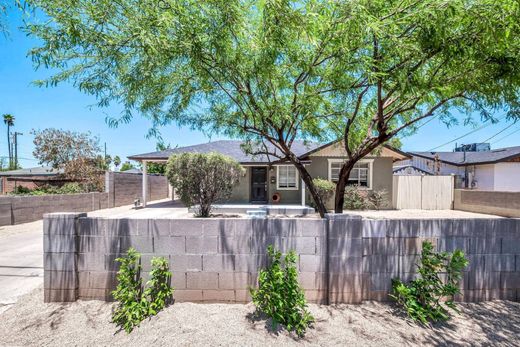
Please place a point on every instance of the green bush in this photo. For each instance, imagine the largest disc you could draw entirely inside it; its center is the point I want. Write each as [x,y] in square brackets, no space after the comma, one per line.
[21,190]
[279,295]
[428,297]
[202,179]
[67,188]
[134,304]
[324,188]
[71,188]
[359,199]
[355,199]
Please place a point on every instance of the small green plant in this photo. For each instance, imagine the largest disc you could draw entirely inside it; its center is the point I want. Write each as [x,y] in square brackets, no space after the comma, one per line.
[325,190]
[279,295]
[131,309]
[134,302]
[428,297]
[158,292]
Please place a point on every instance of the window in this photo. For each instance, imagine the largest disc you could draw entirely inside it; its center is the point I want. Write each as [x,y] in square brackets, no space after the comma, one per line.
[361,174]
[287,177]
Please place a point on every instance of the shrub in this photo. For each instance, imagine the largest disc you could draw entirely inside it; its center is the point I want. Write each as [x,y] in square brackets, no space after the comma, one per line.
[203,179]
[135,304]
[131,308]
[378,199]
[439,277]
[71,188]
[21,190]
[279,295]
[67,188]
[159,292]
[324,188]
[355,199]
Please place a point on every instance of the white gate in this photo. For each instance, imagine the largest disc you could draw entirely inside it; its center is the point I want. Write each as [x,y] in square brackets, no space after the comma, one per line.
[423,192]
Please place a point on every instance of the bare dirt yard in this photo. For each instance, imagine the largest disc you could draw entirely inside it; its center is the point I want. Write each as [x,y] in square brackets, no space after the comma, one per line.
[87,323]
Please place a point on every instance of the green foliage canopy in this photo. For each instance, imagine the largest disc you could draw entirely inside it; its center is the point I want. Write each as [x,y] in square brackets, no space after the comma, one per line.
[365,71]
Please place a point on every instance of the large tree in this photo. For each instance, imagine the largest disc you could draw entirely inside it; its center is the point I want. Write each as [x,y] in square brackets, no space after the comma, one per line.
[273,71]
[75,153]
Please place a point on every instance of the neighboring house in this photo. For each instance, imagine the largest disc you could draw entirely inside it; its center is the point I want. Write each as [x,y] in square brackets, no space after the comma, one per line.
[29,178]
[409,170]
[497,169]
[265,175]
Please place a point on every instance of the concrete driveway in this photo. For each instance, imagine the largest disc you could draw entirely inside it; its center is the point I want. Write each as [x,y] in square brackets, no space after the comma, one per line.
[21,261]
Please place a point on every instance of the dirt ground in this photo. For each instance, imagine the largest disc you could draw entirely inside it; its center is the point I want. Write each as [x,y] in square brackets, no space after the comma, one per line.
[87,323]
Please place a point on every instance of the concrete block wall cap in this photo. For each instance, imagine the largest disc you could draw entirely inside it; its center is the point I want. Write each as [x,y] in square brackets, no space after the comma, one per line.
[342,216]
[64,215]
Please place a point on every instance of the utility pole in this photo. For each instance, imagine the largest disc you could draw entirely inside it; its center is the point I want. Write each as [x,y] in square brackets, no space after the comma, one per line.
[16,149]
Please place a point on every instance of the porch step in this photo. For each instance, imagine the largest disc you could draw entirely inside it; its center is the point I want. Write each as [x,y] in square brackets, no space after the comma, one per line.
[256,213]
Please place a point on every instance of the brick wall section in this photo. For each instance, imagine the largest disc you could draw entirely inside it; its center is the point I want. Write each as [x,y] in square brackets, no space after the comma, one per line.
[505,204]
[216,260]
[121,188]
[124,188]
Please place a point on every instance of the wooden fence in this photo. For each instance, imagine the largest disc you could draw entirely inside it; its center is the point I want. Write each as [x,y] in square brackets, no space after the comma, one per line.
[423,192]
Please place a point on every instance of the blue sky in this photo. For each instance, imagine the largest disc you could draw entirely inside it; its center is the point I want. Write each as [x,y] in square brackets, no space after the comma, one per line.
[66,108]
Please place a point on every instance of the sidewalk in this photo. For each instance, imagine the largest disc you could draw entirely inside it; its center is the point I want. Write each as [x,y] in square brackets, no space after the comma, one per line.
[21,261]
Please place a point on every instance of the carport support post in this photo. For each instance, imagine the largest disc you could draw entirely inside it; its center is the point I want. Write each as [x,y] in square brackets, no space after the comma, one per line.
[303,193]
[145,182]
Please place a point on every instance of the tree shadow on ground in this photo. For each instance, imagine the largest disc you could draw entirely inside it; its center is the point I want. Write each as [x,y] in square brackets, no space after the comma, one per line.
[499,321]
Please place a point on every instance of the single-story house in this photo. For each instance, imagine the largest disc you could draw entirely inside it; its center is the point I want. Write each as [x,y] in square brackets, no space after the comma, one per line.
[496,170]
[267,176]
[30,178]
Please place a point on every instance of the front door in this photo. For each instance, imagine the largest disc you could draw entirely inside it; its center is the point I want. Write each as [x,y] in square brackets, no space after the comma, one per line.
[259,185]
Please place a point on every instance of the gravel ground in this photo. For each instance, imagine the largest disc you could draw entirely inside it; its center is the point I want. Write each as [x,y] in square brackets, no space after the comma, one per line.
[86,323]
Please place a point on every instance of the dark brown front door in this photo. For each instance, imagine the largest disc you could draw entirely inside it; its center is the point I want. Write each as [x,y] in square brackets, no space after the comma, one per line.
[259,185]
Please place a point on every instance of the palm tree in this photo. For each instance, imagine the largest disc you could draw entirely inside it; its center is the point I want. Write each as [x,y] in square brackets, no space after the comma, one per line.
[9,121]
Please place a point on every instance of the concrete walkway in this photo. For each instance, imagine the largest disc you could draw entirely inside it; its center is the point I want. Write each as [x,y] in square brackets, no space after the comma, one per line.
[21,261]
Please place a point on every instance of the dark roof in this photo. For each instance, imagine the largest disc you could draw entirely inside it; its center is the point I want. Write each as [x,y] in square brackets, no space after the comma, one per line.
[34,171]
[473,158]
[230,148]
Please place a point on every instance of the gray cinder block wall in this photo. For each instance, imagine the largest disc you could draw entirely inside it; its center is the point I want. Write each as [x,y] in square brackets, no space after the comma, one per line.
[122,189]
[217,260]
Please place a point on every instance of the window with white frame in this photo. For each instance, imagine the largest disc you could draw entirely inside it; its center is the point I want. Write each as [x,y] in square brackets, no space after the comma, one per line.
[361,174]
[287,177]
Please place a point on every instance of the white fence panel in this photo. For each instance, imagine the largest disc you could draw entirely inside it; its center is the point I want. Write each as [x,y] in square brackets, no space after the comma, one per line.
[423,192]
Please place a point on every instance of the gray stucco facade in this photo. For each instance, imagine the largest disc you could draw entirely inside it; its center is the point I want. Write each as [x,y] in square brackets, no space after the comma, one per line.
[381,178]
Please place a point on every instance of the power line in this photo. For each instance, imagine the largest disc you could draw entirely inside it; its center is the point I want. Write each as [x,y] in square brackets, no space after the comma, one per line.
[506,136]
[460,137]
[500,132]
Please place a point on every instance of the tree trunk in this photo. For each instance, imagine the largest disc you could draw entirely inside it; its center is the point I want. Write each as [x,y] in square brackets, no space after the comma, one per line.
[9,148]
[306,177]
[344,173]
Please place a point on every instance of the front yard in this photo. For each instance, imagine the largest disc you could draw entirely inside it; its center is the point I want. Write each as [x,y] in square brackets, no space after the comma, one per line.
[87,323]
